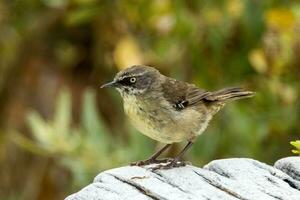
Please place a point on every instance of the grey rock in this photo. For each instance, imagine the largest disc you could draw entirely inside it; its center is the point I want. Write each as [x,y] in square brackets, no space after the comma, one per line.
[290,165]
[236,178]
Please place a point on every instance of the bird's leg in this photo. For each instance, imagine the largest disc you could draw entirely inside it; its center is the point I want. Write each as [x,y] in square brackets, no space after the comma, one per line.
[176,161]
[153,158]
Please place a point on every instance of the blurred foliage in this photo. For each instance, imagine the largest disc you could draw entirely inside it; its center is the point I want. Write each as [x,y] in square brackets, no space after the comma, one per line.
[297,145]
[84,150]
[47,46]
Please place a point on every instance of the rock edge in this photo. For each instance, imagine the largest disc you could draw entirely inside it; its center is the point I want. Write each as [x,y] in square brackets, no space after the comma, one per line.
[234,178]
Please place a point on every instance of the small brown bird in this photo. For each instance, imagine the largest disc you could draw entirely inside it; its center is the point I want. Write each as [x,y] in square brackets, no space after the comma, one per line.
[168,110]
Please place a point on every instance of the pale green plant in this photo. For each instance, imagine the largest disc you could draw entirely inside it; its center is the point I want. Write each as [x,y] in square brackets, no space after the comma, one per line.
[297,145]
[86,149]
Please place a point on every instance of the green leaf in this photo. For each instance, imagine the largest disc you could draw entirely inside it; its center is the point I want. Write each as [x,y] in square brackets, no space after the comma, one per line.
[297,145]
[91,121]
[295,151]
[39,128]
[28,144]
[62,117]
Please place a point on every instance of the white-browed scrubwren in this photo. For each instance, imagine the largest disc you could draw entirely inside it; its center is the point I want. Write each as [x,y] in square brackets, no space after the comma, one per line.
[168,110]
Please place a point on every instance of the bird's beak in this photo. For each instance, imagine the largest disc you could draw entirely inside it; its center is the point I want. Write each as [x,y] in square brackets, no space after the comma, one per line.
[110,84]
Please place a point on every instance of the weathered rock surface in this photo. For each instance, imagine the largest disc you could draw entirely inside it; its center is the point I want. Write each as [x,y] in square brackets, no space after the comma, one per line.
[290,166]
[236,178]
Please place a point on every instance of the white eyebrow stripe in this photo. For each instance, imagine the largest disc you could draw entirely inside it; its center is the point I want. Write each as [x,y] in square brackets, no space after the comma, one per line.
[140,74]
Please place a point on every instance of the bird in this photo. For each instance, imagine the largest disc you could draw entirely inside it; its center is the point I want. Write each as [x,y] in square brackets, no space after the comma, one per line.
[168,110]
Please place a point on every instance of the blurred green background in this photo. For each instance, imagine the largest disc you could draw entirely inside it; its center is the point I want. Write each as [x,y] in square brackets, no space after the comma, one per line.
[58,129]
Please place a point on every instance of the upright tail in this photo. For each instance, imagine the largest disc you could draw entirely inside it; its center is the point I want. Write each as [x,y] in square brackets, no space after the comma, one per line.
[229,94]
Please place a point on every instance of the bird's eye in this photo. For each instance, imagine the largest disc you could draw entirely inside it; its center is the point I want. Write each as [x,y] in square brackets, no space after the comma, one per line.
[132,80]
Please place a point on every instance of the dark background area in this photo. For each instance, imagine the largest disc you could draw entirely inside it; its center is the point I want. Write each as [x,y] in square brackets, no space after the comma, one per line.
[58,129]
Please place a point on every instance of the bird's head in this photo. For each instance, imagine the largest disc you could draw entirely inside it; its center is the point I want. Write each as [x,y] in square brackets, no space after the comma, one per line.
[135,80]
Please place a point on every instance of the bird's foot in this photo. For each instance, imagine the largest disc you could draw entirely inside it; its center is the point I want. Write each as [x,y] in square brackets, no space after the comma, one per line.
[150,161]
[172,164]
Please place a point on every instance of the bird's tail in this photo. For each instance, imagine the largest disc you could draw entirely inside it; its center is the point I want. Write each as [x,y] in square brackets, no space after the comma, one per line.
[229,94]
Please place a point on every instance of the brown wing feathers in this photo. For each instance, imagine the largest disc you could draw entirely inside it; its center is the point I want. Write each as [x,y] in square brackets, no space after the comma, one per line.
[182,94]
[195,95]
[229,94]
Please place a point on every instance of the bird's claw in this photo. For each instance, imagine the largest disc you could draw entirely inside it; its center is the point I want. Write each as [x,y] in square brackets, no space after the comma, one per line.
[172,164]
[150,161]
